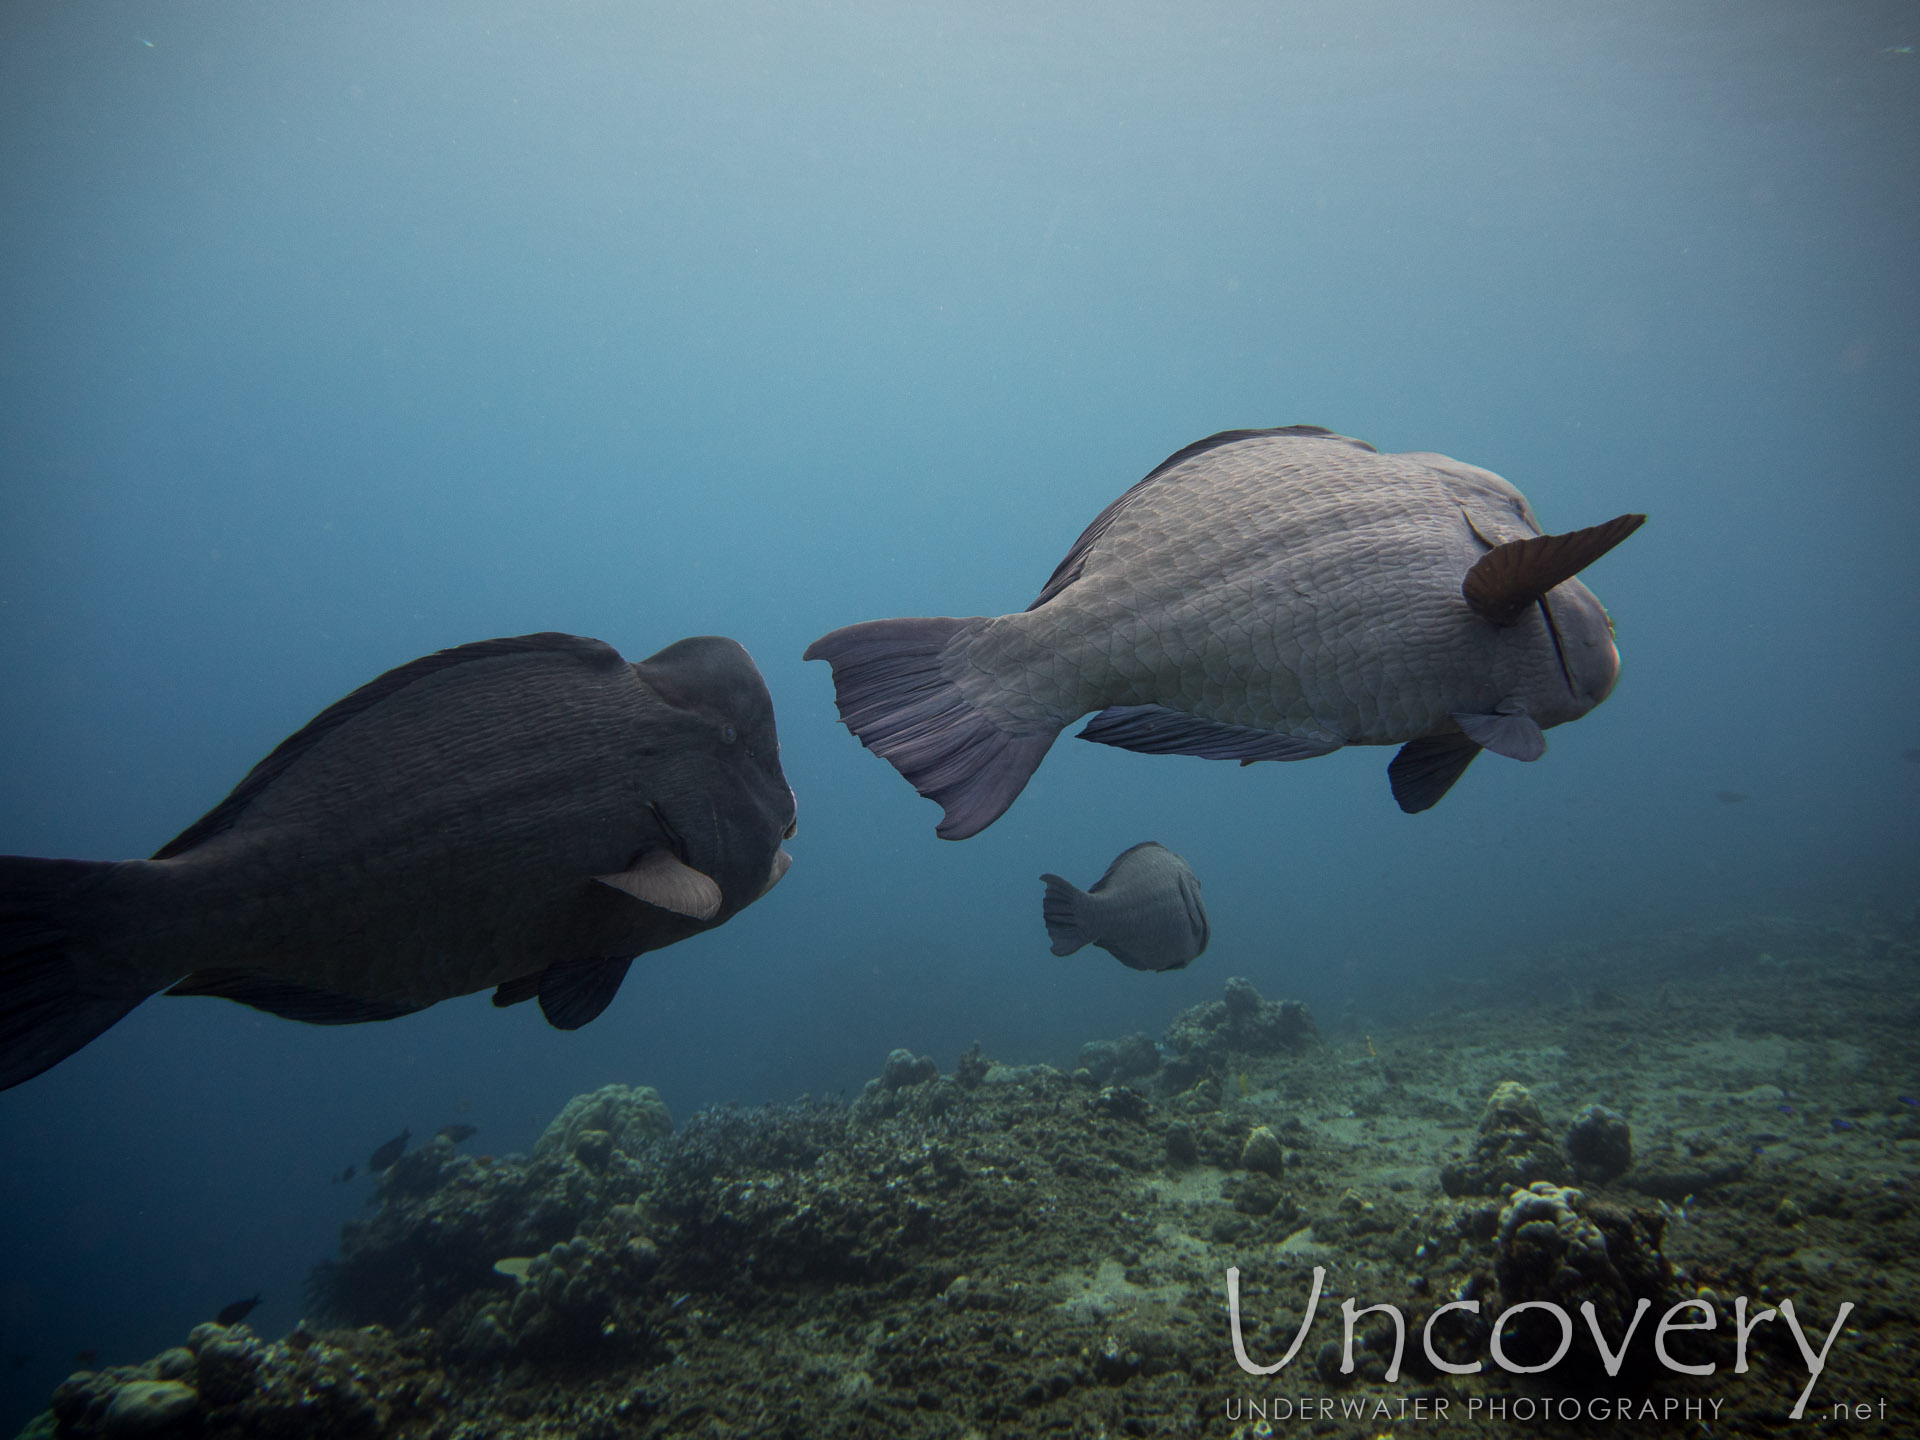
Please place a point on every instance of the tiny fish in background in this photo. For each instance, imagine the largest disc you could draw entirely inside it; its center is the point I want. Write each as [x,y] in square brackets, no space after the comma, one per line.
[86,1359]
[1261,595]
[1145,911]
[528,813]
[236,1312]
[1729,797]
[456,1134]
[345,1175]
[382,1159]
[1913,755]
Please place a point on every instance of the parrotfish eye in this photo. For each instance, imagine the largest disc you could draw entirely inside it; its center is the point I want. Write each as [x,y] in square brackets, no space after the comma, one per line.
[728,733]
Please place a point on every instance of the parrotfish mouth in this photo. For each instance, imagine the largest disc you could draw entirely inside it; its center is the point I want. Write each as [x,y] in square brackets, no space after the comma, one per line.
[781,860]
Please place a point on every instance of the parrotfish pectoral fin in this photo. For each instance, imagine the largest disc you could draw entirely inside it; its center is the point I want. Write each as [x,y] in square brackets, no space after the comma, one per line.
[660,878]
[573,992]
[890,683]
[1061,910]
[1158,730]
[1510,577]
[287,998]
[1425,769]
[1517,737]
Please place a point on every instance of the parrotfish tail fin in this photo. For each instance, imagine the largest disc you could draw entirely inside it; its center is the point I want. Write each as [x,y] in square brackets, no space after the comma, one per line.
[48,1008]
[890,683]
[1061,911]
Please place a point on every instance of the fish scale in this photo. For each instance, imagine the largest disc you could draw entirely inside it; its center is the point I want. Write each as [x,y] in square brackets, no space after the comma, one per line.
[526,814]
[1260,595]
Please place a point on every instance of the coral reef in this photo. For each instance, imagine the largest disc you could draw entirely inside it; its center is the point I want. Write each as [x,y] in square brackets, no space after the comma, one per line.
[627,1118]
[1202,1039]
[1600,1144]
[1116,1061]
[1514,1147]
[1013,1250]
[227,1382]
[1555,1244]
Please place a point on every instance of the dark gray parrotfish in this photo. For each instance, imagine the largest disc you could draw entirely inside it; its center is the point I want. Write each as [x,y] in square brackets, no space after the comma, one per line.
[1261,595]
[236,1312]
[388,1154]
[528,813]
[1145,911]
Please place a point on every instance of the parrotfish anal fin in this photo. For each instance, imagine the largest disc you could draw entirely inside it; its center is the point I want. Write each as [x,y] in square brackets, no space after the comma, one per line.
[592,654]
[289,999]
[513,992]
[1068,570]
[1517,737]
[1510,577]
[1119,951]
[574,991]
[1156,730]
[1425,769]
[659,878]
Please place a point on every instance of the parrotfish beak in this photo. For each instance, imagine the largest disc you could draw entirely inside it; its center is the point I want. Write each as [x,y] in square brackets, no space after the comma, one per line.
[781,860]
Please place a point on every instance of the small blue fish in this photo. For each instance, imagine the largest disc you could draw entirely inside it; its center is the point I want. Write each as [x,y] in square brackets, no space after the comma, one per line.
[1909,1100]
[1785,1109]
[1840,1124]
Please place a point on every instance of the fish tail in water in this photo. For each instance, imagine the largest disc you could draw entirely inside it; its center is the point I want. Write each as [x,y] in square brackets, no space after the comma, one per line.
[51,1000]
[891,685]
[1061,909]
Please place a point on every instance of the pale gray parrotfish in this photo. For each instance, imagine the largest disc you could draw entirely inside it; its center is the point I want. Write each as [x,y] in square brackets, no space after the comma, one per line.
[1261,595]
[528,814]
[1145,911]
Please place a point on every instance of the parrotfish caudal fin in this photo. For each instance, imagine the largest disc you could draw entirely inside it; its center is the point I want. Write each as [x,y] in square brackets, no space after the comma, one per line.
[47,1008]
[1061,910]
[891,686]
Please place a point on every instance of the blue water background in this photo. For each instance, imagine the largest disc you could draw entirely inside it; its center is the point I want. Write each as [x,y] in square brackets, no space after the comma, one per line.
[331,335]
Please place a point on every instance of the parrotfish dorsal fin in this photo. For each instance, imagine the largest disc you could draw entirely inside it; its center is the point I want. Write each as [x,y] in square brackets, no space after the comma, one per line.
[1068,570]
[658,878]
[1510,577]
[593,654]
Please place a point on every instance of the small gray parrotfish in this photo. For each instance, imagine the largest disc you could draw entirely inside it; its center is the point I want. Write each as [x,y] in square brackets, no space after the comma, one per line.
[527,814]
[236,1312]
[382,1160]
[1261,595]
[1145,911]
